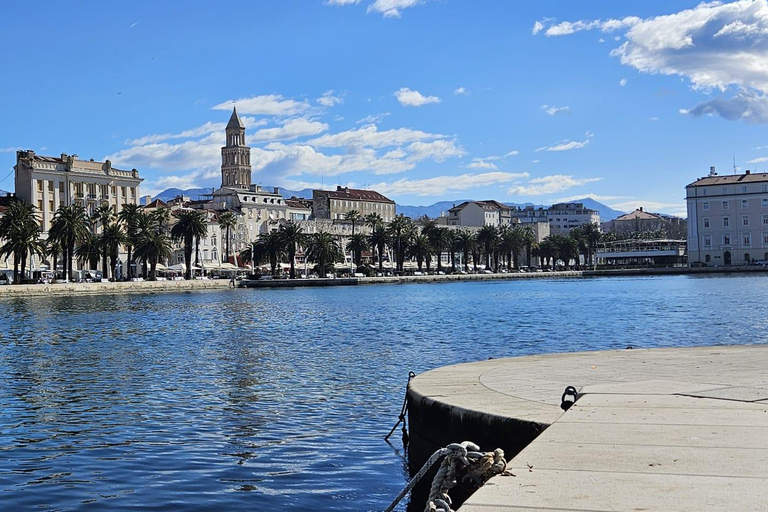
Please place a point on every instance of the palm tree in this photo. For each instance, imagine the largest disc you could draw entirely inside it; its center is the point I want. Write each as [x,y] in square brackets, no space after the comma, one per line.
[354,216]
[421,249]
[227,221]
[510,243]
[528,239]
[153,246]
[451,245]
[189,224]
[292,237]
[52,251]
[129,216]
[89,251]
[70,226]
[357,244]
[379,239]
[592,236]
[486,238]
[373,219]
[103,214]
[112,237]
[397,232]
[441,238]
[268,247]
[323,249]
[20,229]
[466,242]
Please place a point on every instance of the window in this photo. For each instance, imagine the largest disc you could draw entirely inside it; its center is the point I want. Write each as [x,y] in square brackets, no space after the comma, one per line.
[703,191]
[725,190]
[726,222]
[705,207]
[765,220]
[744,204]
[764,188]
[743,189]
[746,240]
[725,205]
[765,239]
[61,187]
[764,203]
[707,241]
[39,185]
[726,239]
[745,220]
[706,222]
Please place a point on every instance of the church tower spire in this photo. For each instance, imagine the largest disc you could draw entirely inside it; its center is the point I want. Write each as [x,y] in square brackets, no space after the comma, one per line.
[235,156]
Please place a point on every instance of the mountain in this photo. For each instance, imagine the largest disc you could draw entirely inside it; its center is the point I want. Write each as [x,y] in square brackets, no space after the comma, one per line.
[3,193]
[172,193]
[433,211]
[606,212]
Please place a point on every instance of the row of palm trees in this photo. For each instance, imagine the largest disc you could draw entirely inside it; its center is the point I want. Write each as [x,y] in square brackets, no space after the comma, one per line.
[98,237]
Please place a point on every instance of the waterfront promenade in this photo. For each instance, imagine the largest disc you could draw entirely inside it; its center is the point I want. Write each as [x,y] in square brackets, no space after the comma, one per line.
[660,429]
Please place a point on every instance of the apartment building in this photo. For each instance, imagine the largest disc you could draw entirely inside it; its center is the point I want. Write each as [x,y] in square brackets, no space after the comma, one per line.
[480,213]
[48,182]
[728,219]
[561,217]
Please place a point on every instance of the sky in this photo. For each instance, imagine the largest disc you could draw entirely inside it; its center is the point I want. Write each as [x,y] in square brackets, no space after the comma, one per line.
[421,100]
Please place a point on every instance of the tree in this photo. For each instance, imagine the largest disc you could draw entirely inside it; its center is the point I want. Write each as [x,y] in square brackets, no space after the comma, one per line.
[420,248]
[70,225]
[486,238]
[324,250]
[451,245]
[227,221]
[129,216]
[358,244]
[152,246]
[373,219]
[591,235]
[103,215]
[20,229]
[89,251]
[466,242]
[112,237]
[269,247]
[52,249]
[510,244]
[292,237]
[528,240]
[354,216]
[439,237]
[379,239]
[189,224]
[397,231]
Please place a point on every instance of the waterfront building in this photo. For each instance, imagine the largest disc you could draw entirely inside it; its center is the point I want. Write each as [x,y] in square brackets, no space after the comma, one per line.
[562,217]
[641,253]
[49,182]
[728,219]
[480,213]
[335,204]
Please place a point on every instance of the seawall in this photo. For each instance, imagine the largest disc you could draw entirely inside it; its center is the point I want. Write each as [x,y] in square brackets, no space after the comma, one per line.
[104,288]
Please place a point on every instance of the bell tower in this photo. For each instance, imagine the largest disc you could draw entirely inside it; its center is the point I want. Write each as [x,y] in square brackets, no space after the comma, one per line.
[235,156]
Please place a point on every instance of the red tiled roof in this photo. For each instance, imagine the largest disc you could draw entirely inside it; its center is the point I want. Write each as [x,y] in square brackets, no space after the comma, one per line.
[357,194]
[156,203]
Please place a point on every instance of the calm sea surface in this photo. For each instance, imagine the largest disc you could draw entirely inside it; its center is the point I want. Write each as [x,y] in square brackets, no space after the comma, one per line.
[279,399]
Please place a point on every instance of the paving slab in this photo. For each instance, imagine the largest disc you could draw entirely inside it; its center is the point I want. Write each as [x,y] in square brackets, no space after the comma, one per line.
[666,429]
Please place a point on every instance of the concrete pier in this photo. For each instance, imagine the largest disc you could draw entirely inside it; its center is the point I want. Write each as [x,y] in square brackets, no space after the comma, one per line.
[661,429]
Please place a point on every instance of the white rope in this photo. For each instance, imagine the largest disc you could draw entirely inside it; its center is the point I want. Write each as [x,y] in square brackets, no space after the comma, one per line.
[480,467]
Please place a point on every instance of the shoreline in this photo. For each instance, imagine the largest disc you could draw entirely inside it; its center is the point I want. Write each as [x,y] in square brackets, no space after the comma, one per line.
[105,288]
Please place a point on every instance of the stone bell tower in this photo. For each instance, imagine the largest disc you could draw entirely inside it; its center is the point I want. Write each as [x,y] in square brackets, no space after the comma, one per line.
[235,156]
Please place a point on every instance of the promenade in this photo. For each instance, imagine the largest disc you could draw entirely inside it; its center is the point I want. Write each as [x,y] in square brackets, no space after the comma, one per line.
[106,287]
[662,429]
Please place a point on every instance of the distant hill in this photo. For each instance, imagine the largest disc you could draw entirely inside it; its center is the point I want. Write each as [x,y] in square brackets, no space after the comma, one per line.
[3,193]
[433,211]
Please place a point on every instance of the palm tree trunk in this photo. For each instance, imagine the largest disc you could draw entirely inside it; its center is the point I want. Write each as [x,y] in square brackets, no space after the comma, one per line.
[292,257]
[228,247]
[130,263]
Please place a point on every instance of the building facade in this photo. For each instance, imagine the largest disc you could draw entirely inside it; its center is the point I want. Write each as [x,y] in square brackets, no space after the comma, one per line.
[480,213]
[50,182]
[335,204]
[235,156]
[728,219]
[562,217]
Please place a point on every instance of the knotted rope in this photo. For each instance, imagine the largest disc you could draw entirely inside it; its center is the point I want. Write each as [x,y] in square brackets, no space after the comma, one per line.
[479,467]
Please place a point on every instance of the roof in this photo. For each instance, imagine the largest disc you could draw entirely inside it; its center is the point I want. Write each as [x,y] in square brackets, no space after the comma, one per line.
[638,215]
[156,203]
[356,194]
[296,202]
[235,121]
[490,205]
[730,179]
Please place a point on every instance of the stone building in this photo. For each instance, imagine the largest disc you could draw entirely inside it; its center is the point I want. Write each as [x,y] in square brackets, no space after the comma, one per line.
[728,219]
[480,213]
[562,217]
[334,204]
[48,182]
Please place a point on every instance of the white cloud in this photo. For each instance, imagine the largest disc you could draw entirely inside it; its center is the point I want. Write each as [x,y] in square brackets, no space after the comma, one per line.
[594,197]
[437,150]
[341,2]
[514,152]
[758,160]
[565,145]
[391,8]
[535,161]
[480,163]
[205,129]
[410,98]
[715,45]
[371,136]
[567,27]
[440,185]
[290,129]
[746,106]
[329,100]
[373,118]
[9,150]
[537,27]
[269,104]
[622,82]
[678,209]
[553,111]
[549,185]
[653,118]
[462,91]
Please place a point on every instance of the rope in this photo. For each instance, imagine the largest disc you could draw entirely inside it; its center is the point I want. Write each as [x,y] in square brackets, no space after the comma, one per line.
[403,411]
[480,466]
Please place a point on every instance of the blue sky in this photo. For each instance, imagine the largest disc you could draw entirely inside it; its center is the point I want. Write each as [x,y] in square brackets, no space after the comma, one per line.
[422,100]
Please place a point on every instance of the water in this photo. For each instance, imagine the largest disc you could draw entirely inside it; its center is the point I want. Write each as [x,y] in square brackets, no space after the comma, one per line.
[279,399]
